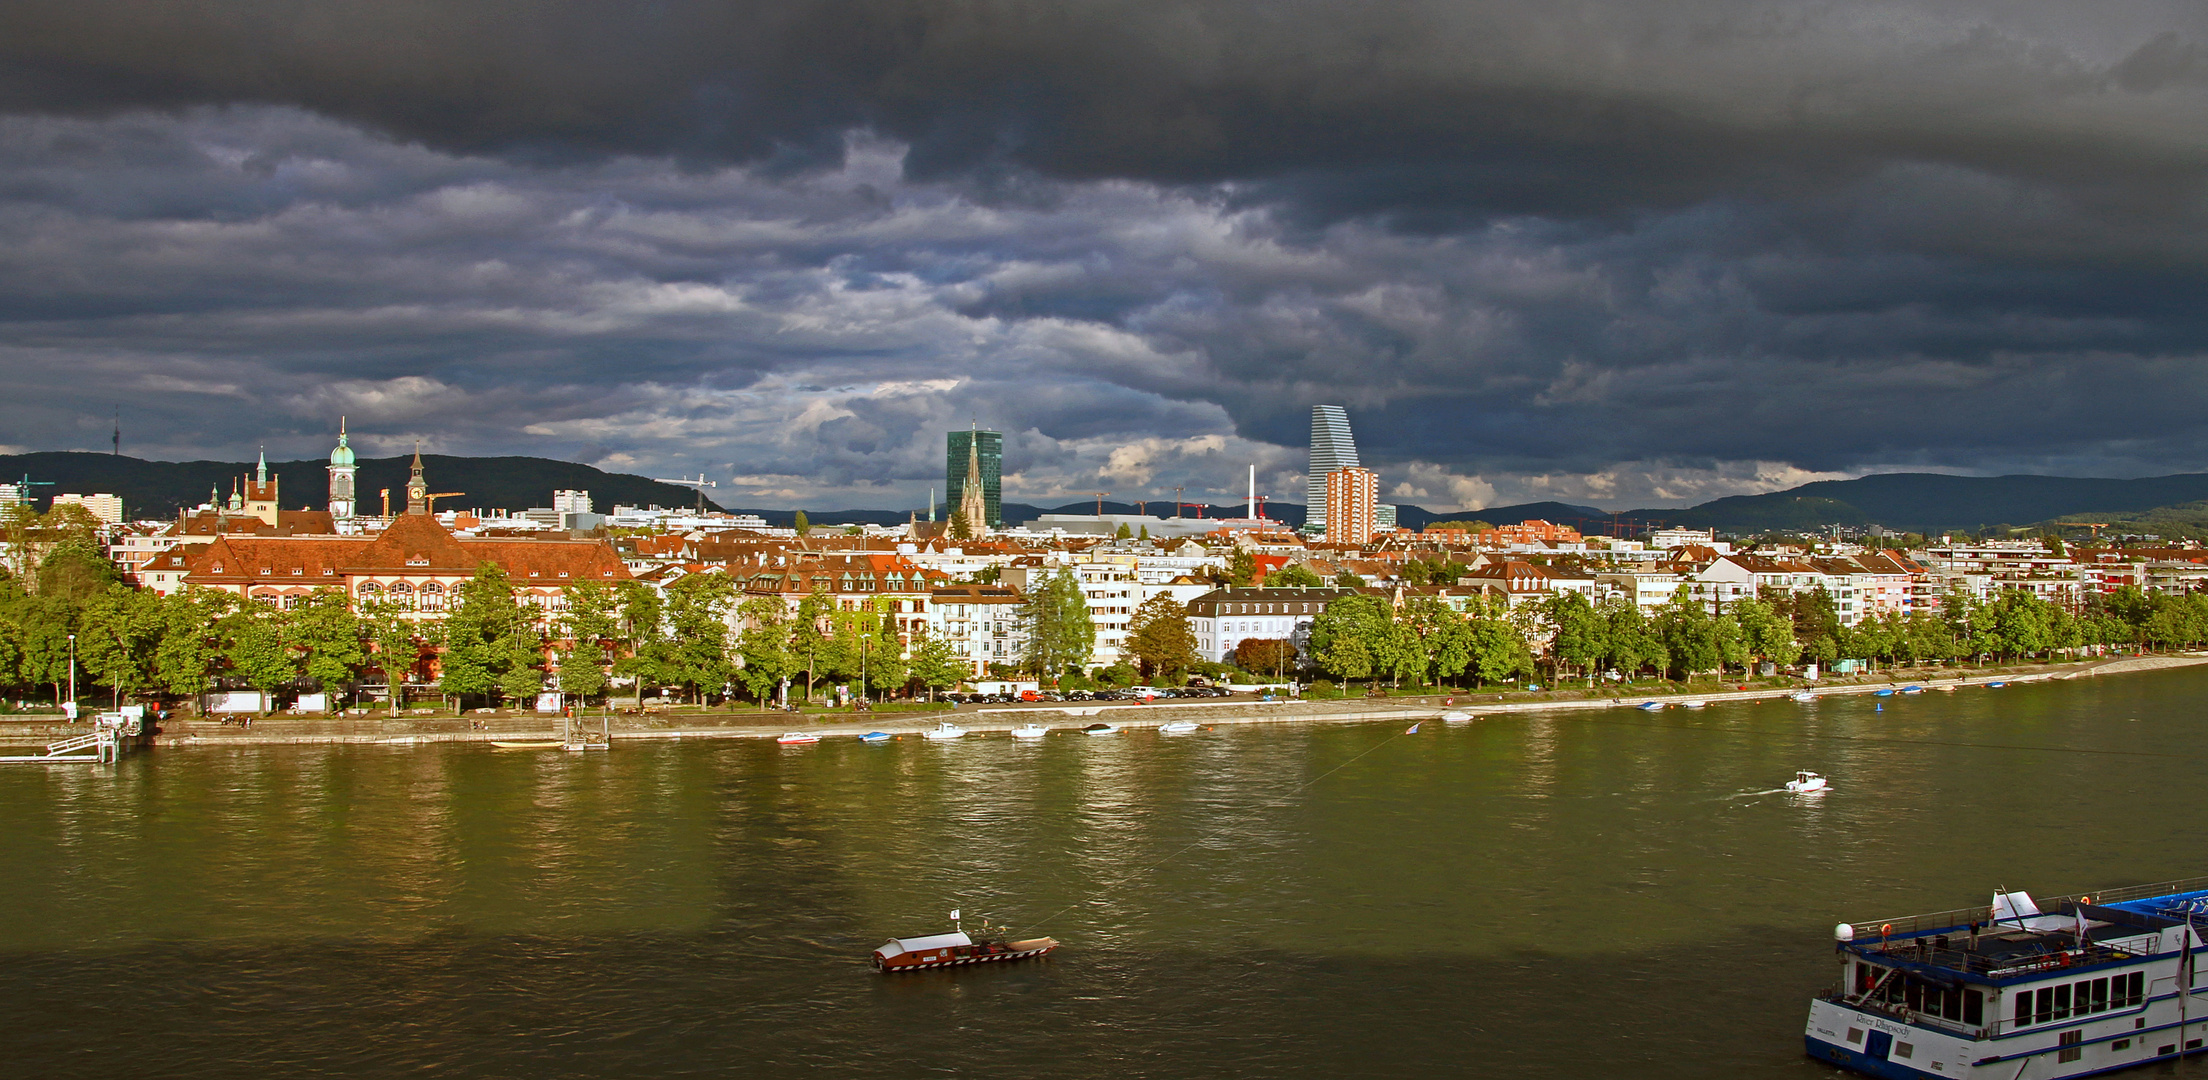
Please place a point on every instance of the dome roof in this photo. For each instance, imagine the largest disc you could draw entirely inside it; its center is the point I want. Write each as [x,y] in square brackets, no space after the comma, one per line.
[343,455]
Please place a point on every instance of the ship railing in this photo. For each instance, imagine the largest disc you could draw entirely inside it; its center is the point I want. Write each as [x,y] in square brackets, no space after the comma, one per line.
[1943,920]
[1958,957]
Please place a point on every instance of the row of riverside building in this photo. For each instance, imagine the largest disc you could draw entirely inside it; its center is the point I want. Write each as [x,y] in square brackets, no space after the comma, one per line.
[970,592]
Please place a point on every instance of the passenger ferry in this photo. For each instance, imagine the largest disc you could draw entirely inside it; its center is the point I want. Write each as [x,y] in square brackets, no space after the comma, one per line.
[2021,991]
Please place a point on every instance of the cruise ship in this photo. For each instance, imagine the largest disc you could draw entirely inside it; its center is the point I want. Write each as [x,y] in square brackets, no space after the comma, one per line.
[2021,990]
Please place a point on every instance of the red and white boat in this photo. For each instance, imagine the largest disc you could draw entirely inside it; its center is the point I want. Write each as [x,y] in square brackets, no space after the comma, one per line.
[797,738]
[949,950]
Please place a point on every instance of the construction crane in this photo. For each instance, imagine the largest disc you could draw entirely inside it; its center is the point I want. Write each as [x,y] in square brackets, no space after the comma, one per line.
[701,483]
[441,495]
[2096,526]
[1100,501]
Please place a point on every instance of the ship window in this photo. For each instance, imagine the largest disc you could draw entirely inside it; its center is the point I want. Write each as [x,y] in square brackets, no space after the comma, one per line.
[1974,1007]
[2046,1009]
[2100,995]
[2120,1044]
[1905,1050]
[2135,989]
[2071,1048]
[1855,1035]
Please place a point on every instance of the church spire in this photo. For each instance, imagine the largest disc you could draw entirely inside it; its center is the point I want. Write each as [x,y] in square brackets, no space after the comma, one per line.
[260,472]
[417,486]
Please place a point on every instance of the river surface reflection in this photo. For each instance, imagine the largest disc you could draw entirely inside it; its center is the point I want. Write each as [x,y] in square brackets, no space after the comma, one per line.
[1571,895]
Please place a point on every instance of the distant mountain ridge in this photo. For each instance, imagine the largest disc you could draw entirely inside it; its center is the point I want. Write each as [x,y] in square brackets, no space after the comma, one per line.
[157,489]
[1933,502]
[1909,502]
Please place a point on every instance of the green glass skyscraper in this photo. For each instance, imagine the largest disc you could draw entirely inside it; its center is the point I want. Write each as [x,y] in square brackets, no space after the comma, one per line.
[980,452]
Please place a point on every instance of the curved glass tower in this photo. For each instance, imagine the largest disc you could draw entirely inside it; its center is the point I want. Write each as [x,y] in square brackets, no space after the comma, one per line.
[1332,447]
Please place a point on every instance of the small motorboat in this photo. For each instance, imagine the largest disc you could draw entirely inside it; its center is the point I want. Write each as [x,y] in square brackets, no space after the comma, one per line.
[1030,731]
[1177,727]
[1456,716]
[1650,706]
[1995,685]
[1802,695]
[532,744]
[1884,691]
[946,730]
[795,738]
[1912,688]
[1806,782]
[1694,704]
[1101,729]
[875,736]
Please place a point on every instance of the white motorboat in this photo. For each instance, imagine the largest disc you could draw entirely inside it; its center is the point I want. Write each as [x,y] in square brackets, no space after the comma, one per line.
[946,730]
[1694,704]
[795,738]
[1101,729]
[875,736]
[1802,695]
[1177,727]
[1650,706]
[1030,731]
[1457,716]
[1806,782]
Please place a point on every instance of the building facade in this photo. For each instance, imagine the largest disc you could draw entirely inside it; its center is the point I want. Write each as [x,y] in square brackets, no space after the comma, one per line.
[1352,495]
[343,503]
[1332,447]
[1224,618]
[975,452]
[981,623]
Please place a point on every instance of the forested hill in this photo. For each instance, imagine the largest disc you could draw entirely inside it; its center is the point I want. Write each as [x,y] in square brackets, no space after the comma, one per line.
[1930,502]
[156,489]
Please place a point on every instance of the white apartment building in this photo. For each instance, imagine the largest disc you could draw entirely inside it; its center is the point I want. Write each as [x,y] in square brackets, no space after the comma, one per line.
[1223,618]
[982,623]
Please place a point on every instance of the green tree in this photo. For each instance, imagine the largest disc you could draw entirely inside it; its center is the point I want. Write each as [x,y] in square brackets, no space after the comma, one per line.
[1765,632]
[325,628]
[643,638]
[960,528]
[1124,532]
[1632,643]
[1581,635]
[74,571]
[1055,615]
[801,523]
[256,649]
[763,645]
[885,666]
[1160,638]
[1348,580]
[1266,656]
[697,624]
[398,642]
[807,634]
[1351,637]
[1242,568]
[591,623]
[1293,575]
[118,633]
[487,636]
[1689,635]
[935,662]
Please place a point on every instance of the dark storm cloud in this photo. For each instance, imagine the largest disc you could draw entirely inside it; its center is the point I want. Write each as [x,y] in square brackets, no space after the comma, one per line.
[1608,251]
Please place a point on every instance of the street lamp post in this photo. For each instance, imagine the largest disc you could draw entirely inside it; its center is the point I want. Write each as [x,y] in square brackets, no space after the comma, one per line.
[72,676]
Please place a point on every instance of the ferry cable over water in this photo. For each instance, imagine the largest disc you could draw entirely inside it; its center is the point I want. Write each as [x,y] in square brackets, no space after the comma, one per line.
[2087,984]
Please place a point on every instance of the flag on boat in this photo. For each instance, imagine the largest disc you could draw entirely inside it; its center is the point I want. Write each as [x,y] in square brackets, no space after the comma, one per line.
[954,914]
[1414,728]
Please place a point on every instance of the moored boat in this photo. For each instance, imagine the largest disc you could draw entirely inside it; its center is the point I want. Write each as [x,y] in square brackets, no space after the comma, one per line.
[1177,727]
[1694,704]
[1802,695]
[954,949]
[1101,729]
[1030,731]
[795,738]
[2077,985]
[946,730]
[1883,691]
[1912,688]
[1456,716]
[530,744]
[1650,706]
[875,736]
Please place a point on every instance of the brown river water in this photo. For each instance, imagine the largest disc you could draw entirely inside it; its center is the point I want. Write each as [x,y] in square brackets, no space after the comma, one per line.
[1577,894]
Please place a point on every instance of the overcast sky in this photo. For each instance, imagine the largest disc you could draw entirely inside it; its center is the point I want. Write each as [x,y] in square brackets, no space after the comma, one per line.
[1634,253]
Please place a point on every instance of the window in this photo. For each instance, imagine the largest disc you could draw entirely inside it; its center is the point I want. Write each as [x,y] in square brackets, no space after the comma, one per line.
[1855,1035]
[2071,1050]
[1905,1050]
[2120,1044]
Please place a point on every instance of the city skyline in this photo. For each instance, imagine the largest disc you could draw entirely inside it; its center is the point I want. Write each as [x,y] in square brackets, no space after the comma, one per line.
[1732,256]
